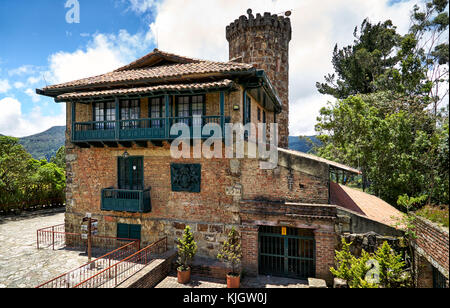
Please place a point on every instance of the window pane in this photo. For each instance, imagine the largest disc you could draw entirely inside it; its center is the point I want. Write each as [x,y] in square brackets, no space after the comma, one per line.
[197,109]
[110,115]
[183,109]
[156,112]
[99,115]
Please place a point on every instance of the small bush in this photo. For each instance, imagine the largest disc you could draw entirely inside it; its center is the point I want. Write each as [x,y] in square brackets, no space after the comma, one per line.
[383,269]
[187,248]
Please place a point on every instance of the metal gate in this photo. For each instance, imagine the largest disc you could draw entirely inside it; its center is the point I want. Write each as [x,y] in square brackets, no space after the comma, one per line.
[286,252]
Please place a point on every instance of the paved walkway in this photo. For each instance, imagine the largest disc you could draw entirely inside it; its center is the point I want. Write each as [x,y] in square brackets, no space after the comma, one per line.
[248,282]
[22,265]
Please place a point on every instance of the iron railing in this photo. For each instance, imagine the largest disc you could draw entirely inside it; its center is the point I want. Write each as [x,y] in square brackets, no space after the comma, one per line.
[119,272]
[56,238]
[74,277]
[141,129]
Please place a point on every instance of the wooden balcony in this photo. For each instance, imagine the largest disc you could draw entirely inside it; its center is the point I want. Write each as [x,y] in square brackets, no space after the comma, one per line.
[122,200]
[140,129]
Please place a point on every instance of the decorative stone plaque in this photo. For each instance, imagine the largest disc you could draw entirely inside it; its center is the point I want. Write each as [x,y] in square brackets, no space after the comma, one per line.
[185,177]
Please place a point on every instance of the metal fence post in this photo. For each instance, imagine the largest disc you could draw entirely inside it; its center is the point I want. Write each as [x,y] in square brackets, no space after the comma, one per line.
[53,238]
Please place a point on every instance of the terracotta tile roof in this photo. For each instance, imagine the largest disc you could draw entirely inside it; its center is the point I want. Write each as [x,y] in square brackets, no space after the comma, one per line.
[143,90]
[172,71]
[157,56]
[372,206]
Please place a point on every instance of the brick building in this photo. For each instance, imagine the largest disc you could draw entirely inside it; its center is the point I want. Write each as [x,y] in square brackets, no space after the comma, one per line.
[120,167]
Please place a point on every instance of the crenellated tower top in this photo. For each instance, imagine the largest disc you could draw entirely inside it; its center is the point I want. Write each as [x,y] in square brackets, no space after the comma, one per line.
[263,41]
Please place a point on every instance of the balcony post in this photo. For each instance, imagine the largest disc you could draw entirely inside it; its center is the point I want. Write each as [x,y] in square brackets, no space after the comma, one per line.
[167,128]
[222,112]
[73,120]
[117,125]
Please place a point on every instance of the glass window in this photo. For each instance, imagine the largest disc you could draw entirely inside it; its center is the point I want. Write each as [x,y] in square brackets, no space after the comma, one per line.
[183,109]
[129,110]
[157,111]
[197,109]
[189,106]
[105,114]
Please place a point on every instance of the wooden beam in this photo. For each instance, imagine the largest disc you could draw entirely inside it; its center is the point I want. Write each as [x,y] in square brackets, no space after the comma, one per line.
[96,144]
[125,144]
[111,144]
[142,144]
[82,145]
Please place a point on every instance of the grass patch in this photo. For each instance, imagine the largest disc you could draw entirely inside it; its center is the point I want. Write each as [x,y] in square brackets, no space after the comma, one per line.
[437,214]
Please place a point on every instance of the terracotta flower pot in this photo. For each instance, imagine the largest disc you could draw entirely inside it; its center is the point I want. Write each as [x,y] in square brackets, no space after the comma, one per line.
[184,276]
[233,282]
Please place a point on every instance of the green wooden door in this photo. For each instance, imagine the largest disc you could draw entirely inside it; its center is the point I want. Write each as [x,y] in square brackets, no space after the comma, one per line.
[131,173]
[287,255]
[127,231]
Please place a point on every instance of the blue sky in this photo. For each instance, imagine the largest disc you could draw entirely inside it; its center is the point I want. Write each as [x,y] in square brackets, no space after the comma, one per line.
[39,45]
[32,31]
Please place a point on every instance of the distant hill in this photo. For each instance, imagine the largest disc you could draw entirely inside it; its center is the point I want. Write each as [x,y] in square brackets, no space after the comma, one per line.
[45,144]
[302,145]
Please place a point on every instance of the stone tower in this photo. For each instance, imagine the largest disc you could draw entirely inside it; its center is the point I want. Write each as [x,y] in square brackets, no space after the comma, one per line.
[264,42]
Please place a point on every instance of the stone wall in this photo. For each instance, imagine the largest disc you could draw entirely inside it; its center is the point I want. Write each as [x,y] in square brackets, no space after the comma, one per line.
[264,42]
[152,274]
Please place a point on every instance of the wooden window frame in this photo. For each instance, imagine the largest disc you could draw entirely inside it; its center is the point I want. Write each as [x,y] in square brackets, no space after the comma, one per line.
[101,126]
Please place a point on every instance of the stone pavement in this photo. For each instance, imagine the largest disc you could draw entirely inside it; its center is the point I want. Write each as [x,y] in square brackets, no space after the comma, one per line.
[22,265]
[247,282]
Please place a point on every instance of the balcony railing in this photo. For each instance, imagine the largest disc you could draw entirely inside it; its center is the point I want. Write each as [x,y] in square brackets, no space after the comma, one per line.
[142,129]
[122,200]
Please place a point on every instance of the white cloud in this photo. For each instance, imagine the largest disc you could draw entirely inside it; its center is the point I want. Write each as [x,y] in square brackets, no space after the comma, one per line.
[141,6]
[33,80]
[14,123]
[23,70]
[34,97]
[190,31]
[19,85]
[4,86]
[103,54]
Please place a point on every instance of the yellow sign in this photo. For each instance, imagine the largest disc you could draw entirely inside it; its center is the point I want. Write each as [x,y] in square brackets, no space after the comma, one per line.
[283,230]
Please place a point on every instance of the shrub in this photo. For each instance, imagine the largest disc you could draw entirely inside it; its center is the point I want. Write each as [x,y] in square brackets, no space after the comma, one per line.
[383,269]
[231,251]
[187,249]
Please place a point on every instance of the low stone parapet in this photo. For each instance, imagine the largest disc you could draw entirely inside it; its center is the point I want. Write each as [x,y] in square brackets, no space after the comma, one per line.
[152,274]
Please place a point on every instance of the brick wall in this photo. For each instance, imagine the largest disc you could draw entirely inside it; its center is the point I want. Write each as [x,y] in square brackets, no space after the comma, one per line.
[319,218]
[210,213]
[326,241]
[432,244]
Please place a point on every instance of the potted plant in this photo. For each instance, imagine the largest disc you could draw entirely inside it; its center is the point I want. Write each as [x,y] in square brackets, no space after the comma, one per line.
[187,248]
[231,253]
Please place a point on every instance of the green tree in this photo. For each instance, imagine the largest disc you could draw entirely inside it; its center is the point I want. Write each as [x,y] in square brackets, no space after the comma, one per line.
[380,59]
[397,152]
[13,172]
[60,158]
[357,66]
